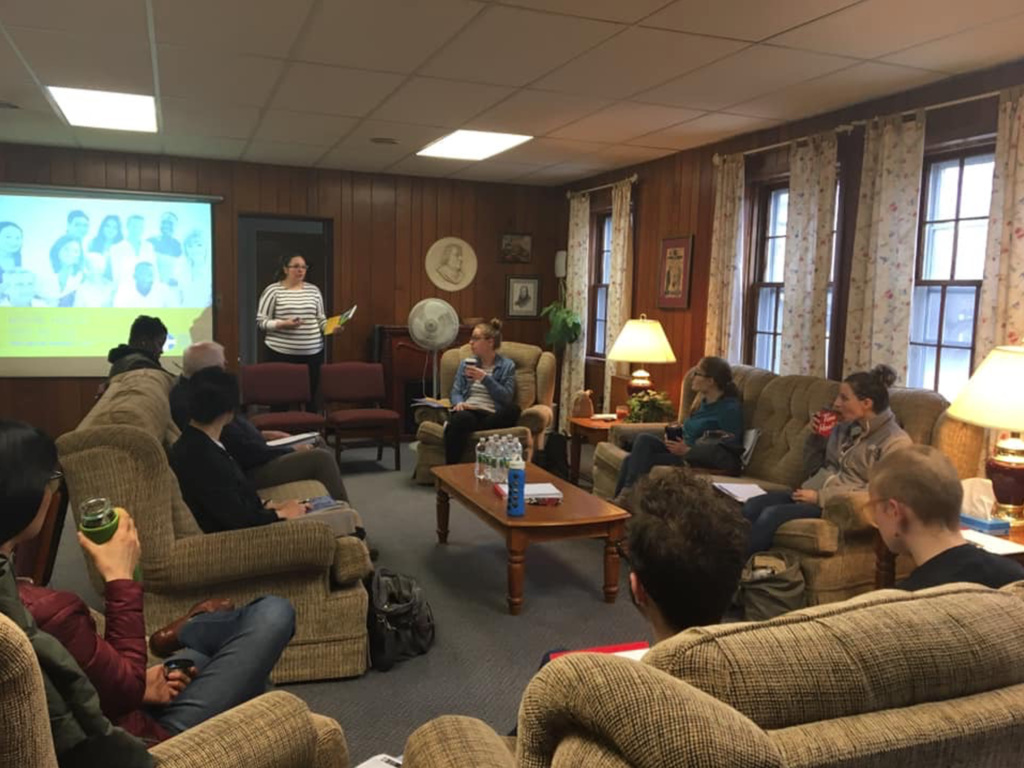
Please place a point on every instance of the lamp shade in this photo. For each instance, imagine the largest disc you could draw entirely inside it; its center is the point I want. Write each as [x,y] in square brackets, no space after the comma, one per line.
[642,341]
[993,397]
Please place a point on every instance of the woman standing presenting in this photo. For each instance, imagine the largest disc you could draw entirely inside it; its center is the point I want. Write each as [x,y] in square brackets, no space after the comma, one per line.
[291,313]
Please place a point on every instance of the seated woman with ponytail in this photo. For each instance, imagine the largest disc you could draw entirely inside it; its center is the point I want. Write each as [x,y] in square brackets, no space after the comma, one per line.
[484,392]
[719,413]
[837,461]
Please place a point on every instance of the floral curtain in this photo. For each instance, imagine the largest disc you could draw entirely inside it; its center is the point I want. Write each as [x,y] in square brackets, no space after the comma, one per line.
[620,288]
[723,332]
[808,263]
[884,246]
[577,287]
[1001,313]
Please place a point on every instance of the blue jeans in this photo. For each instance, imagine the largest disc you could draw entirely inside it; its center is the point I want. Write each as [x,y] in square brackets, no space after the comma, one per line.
[234,652]
[768,511]
[648,451]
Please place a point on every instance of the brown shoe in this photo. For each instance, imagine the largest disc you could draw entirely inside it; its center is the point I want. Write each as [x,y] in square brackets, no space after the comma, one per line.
[165,641]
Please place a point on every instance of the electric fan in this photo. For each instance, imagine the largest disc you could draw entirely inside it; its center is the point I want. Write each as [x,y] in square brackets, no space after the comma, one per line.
[433,325]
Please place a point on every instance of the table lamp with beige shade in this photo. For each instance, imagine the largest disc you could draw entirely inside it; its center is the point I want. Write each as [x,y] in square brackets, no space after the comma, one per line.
[994,398]
[641,341]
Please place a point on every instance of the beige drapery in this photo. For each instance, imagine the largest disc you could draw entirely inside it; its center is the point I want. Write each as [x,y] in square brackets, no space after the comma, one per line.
[577,288]
[723,330]
[620,287]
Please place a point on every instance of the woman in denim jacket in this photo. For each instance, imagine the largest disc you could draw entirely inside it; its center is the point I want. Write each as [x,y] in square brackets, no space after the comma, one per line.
[484,392]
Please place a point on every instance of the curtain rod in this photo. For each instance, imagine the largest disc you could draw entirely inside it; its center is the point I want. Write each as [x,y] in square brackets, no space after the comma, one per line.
[631,179]
[845,128]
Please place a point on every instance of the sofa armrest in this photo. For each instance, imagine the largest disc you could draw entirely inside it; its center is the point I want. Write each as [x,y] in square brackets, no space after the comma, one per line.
[215,558]
[623,435]
[808,536]
[456,741]
[849,512]
[351,560]
[537,418]
[422,413]
[271,731]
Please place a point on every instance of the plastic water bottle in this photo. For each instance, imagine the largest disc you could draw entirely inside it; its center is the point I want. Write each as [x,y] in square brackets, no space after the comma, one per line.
[505,456]
[490,466]
[516,506]
[478,468]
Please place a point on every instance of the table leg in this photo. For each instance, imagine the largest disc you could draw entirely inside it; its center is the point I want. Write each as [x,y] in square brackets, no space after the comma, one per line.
[442,515]
[611,563]
[516,544]
[574,456]
[885,564]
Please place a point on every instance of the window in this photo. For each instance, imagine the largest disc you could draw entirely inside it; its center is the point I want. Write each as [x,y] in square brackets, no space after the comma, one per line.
[769,271]
[950,265]
[600,278]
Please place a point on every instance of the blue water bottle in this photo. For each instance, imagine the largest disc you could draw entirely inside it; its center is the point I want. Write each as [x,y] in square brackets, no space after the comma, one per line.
[516,487]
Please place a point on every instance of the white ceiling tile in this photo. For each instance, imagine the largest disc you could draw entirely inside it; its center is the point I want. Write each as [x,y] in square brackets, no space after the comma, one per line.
[205,75]
[555,175]
[333,90]
[27,127]
[606,10]
[76,61]
[196,118]
[549,151]
[204,146]
[628,155]
[122,18]
[634,61]
[979,48]
[121,141]
[849,86]
[260,27]
[703,130]
[427,166]
[352,159]
[757,70]
[16,85]
[623,121]
[279,153]
[536,113]
[874,28]
[389,35]
[303,127]
[494,170]
[752,20]
[429,101]
[357,145]
[508,46]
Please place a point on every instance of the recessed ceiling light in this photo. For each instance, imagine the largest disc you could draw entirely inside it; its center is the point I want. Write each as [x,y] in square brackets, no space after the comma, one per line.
[106,109]
[472,145]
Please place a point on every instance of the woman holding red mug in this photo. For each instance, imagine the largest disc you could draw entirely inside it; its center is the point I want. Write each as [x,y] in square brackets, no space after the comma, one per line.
[843,445]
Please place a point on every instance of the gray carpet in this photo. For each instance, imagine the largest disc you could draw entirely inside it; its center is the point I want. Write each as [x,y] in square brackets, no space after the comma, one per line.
[483,657]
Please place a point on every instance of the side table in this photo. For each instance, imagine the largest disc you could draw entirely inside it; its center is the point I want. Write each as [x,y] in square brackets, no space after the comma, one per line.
[593,431]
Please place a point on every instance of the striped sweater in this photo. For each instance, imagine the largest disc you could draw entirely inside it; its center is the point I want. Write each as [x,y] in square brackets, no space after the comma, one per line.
[278,303]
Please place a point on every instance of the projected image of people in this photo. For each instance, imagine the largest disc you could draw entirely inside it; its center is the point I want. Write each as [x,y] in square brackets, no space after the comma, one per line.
[66,259]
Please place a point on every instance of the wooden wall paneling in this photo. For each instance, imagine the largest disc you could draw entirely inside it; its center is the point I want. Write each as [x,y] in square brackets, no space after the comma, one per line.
[245,189]
[416,243]
[62,169]
[116,174]
[131,169]
[362,259]
[164,165]
[428,217]
[403,251]
[149,174]
[184,175]
[383,253]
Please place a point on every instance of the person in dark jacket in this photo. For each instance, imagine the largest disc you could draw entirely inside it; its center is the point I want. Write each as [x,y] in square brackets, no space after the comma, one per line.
[265,465]
[145,345]
[231,651]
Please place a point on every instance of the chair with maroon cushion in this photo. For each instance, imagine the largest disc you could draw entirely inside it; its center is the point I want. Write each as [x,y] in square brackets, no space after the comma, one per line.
[280,384]
[359,384]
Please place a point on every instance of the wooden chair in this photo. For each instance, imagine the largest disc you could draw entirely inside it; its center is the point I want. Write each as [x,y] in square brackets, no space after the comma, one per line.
[277,385]
[359,384]
[34,559]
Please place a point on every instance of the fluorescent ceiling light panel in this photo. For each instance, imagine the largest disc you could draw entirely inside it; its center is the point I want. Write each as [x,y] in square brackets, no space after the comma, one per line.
[106,109]
[472,145]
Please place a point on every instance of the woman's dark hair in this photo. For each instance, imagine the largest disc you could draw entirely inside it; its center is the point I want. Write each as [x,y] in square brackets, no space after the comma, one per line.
[873,385]
[284,263]
[212,392]
[100,243]
[17,257]
[59,246]
[28,458]
[491,330]
[720,372]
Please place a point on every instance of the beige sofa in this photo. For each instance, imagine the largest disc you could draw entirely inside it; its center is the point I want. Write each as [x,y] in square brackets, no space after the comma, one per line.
[535,393]
[836,552]
[116,452]
[275,730]
[886,680]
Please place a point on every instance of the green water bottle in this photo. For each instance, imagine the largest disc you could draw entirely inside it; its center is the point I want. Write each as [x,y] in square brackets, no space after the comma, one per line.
[100,519]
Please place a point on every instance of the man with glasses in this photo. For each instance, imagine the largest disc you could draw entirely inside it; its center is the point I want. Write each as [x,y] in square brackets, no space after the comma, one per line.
[915,498]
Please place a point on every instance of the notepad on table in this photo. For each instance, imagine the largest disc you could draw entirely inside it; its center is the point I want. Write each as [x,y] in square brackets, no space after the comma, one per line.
[534,493]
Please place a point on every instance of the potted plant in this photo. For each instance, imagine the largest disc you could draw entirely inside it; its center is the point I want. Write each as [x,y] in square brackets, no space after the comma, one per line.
[565,325]
[650,406]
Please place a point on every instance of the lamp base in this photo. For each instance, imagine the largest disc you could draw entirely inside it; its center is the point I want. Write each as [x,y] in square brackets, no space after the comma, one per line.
[1005,468]
[640,381]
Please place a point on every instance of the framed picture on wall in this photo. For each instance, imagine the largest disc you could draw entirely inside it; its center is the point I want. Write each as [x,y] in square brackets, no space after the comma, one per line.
[522,296]
[674,273]
[515,249]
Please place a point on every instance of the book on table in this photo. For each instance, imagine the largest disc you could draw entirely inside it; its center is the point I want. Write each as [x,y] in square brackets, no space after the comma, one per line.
[742,492]
[534,493]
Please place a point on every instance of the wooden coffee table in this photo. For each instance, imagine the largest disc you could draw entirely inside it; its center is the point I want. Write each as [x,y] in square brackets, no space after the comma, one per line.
[580,516]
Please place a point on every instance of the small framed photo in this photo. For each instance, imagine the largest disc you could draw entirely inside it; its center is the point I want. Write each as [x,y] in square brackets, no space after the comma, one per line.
[674,274]
[522,296]
[516,249]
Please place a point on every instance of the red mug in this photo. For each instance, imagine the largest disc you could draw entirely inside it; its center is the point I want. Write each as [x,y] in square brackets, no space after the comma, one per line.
[824,421]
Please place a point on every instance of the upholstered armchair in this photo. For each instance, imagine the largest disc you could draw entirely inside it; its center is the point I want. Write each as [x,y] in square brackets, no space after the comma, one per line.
[535,393]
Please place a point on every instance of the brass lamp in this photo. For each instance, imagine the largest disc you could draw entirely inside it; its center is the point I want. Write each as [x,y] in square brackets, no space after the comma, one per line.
[641,341]
[992,398]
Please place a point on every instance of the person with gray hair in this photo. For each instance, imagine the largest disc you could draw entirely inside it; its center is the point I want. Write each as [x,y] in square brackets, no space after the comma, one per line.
[265,465]
[915,497]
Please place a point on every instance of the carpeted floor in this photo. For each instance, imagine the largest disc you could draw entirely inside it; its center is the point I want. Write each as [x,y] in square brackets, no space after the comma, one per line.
[483,657]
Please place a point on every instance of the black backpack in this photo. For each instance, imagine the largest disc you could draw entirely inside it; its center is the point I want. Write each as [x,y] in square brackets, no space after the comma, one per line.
[554,457]
[399,621]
